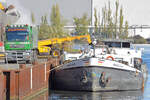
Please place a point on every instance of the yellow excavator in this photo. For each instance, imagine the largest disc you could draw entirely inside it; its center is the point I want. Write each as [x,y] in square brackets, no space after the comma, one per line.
[50,46]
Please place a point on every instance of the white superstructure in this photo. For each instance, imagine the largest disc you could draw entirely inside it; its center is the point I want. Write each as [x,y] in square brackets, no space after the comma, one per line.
[126,55]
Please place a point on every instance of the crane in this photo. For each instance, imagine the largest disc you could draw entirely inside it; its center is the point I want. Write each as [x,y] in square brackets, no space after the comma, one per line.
[47,46]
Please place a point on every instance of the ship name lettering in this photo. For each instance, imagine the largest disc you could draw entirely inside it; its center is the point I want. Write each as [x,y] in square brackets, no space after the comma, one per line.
[118,65]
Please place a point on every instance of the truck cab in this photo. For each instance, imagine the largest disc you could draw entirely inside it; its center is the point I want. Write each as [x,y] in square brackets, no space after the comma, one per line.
[20,43]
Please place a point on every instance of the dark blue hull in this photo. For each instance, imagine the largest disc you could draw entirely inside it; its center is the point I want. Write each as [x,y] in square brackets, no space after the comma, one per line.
[96,78]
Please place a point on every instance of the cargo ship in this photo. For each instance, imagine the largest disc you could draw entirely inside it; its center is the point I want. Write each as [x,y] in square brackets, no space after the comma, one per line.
[103,68]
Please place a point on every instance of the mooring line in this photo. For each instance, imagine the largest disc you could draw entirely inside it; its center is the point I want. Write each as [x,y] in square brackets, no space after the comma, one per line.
[54,68]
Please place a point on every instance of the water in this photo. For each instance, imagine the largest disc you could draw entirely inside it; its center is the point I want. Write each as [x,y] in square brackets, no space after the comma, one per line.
[146,59]
[123,95]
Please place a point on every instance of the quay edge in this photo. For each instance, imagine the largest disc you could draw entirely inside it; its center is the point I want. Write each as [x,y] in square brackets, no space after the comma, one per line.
[26,81]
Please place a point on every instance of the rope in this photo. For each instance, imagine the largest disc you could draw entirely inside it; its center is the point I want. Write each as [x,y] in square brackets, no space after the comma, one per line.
[54,68]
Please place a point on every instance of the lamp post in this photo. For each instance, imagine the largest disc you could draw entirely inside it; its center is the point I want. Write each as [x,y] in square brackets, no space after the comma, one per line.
[134,29]
[94,43]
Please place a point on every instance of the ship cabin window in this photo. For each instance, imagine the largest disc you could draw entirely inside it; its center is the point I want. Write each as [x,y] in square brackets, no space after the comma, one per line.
[137,63]
[125,45]
[113,44]
[118,44]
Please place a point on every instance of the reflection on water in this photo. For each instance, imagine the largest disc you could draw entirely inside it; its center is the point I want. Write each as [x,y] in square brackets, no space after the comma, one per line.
[69,95]
[42,96]
[146,59]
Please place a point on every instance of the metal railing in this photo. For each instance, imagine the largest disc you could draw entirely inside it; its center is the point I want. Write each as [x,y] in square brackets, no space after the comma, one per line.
[18,57]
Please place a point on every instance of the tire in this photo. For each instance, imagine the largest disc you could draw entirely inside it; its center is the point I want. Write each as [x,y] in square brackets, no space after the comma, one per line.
[55,53]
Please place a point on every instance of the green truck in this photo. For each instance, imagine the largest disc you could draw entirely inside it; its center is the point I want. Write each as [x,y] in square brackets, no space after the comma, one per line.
[21,43]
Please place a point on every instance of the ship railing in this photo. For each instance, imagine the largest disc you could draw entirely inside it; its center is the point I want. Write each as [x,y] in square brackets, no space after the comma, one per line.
[120,60]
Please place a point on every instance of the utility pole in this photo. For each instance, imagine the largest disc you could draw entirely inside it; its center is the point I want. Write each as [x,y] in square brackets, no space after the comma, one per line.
[92,13]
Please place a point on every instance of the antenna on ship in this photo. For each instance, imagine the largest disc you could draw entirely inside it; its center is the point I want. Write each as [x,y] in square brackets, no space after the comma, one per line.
[94,42]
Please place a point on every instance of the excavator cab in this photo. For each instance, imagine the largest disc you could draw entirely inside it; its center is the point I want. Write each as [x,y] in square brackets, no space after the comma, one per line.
[10,14]
[10,10]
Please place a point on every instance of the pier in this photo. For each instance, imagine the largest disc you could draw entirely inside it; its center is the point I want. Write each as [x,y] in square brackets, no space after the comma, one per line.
[25,80]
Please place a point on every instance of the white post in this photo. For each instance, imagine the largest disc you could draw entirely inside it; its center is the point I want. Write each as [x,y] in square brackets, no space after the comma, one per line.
[31,78]
[45,71]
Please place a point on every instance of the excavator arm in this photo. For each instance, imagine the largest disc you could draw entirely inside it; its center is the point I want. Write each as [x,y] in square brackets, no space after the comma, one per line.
[2,7]
[44,45]
[62,40]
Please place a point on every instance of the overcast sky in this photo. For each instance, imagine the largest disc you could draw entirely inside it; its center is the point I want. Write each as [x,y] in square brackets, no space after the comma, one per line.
[135,11]
[68,8]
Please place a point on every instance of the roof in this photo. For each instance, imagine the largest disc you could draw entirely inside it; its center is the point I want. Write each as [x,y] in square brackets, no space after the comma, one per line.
[118,40]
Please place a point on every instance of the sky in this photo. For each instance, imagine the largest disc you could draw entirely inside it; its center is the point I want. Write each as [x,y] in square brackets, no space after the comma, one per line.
[136,12]
[68,8]
[2,0]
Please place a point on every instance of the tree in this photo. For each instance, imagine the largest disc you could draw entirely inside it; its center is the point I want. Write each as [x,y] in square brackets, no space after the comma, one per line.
[44,28]
[77,24]
[96,21]
[104,21]
[126,30]
[56,27]
[81,24]
[57,23]
[32,18]
[116,18]
[139,39]
[109,21]
[121,23]
[110,24]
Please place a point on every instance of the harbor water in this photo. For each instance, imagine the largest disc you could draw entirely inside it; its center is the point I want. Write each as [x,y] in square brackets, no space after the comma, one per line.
[117,95]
